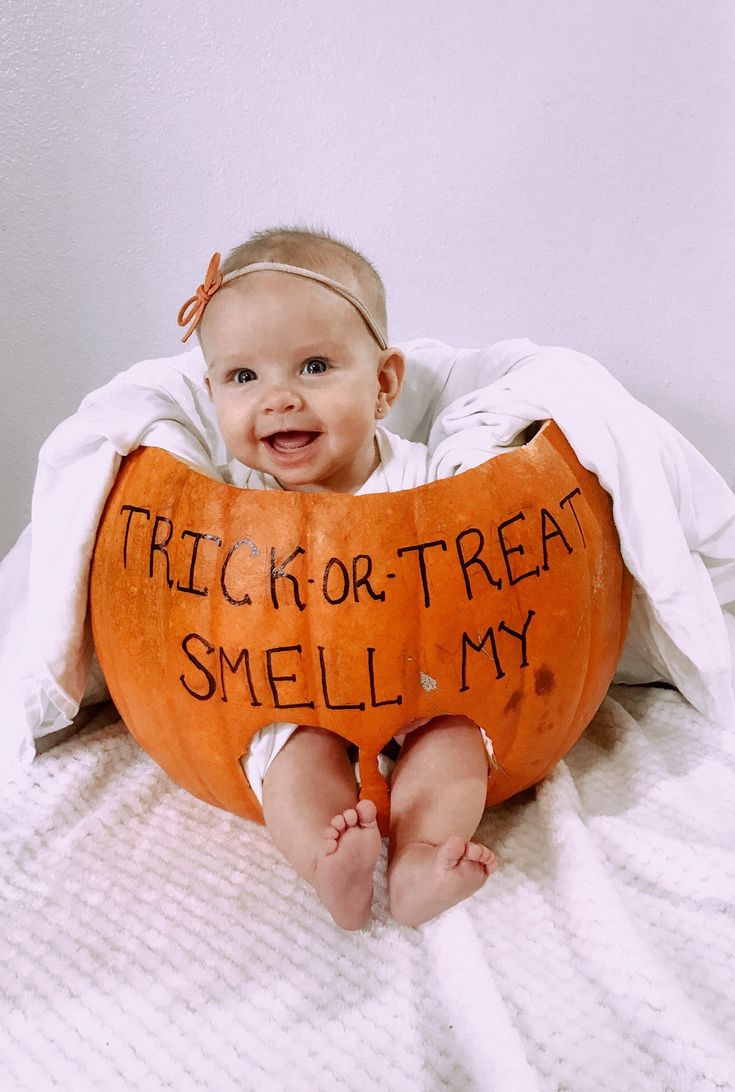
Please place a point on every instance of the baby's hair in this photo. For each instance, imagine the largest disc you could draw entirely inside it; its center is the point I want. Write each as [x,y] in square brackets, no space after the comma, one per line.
[320,252]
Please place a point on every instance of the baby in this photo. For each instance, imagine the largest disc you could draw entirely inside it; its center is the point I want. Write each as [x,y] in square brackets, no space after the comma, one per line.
[299,372]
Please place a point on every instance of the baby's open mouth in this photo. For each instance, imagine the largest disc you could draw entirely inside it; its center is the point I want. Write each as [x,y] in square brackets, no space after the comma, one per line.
[291,440]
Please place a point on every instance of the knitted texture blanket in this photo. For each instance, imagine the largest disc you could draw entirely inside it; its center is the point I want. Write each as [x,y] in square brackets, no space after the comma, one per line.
[151,941]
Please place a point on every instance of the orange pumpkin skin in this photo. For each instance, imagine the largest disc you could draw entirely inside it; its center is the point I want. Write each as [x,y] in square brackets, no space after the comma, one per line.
[499,594]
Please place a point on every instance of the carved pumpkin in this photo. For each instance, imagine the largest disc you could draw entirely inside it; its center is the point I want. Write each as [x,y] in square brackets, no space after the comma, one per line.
[499,593]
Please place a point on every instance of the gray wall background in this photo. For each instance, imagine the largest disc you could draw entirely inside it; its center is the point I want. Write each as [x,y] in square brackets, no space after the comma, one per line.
[557,171]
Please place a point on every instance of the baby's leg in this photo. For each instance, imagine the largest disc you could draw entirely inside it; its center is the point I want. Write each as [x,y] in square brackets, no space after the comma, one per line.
[437,799]
[313,815]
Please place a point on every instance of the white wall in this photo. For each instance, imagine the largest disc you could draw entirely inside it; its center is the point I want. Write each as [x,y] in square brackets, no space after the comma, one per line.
[517,168]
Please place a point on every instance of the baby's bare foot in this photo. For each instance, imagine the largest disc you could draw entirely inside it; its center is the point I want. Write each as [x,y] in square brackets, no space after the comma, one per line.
[427,879]
[346,863]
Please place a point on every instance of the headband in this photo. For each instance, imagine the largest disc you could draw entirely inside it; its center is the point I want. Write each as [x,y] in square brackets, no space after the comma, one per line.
[193,309]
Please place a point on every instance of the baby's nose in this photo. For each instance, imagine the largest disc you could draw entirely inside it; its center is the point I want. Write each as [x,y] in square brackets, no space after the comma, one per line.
[280,399]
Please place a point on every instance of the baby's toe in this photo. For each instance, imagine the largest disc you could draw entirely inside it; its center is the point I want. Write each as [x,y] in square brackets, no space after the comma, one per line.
[331,840]
[350,817]
[339,823]
[366,812]
[451,852]
[486,859]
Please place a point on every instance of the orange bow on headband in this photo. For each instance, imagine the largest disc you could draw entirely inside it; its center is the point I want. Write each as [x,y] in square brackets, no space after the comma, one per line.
[192,311]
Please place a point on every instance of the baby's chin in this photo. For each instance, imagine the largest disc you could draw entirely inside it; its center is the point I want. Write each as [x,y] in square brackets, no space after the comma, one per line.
[296,482]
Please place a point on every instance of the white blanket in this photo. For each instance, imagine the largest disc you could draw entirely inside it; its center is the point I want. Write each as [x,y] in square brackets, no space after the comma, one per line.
[150,941]
[675,514]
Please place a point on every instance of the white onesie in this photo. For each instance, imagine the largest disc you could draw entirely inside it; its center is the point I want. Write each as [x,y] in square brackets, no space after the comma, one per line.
[403,465]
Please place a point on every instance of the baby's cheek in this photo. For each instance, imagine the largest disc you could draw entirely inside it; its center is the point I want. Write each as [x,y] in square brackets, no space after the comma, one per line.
[229,418]
[235,433]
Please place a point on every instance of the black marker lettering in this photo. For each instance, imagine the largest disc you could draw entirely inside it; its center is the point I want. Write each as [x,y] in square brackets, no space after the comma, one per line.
[330,704]
[273,679]
[243,658]
[398,700]
[568,498]
[197,536]
[521,636]
[422,564]
[245,599]
[465,562]
[131,509]
[335,561]
[508,550]
[161,546]
[558,533]
[212,685]
[278,572]
[364,579]
[467,641]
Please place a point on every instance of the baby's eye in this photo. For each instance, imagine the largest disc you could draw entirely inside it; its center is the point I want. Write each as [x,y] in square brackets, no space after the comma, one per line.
[315,365]
[247,373]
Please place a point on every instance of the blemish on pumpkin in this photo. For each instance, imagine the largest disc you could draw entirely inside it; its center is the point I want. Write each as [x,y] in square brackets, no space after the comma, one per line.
[513,701]
[544,681]
[427,682]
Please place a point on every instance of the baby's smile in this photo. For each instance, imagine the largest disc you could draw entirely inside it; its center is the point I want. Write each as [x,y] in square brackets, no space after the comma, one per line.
[290,441]
[292,447]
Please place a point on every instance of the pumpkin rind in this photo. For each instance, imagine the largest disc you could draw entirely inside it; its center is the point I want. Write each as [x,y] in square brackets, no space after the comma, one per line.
[177,553]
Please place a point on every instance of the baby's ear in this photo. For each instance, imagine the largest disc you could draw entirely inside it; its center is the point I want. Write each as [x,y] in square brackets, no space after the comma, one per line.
[390,373]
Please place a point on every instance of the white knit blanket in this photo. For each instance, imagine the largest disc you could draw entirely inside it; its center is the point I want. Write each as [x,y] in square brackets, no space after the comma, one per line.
[150,941]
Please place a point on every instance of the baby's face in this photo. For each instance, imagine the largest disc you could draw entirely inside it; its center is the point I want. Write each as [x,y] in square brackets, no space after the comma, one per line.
[296,380]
